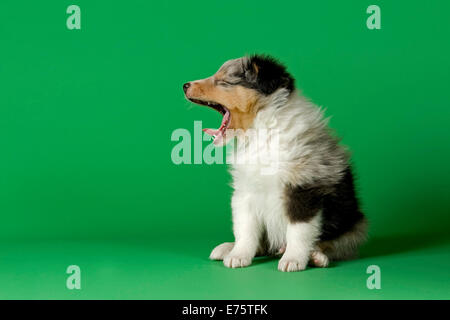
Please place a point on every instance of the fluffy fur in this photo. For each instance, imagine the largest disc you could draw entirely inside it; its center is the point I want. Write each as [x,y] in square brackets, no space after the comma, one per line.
[306,208]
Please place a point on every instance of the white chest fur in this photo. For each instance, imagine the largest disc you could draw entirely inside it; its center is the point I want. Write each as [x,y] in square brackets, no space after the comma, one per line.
[261,197]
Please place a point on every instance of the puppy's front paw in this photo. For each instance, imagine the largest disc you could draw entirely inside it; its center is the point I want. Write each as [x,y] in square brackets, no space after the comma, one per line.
[291,265]
[236,261]
[221,251]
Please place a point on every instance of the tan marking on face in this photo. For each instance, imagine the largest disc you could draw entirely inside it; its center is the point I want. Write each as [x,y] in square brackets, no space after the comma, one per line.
[240,101]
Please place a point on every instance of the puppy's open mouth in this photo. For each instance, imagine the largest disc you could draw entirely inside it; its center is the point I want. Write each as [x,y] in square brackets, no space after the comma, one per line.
[218,134]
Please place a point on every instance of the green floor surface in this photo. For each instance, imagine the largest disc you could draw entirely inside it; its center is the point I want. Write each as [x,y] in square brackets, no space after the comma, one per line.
[176,269]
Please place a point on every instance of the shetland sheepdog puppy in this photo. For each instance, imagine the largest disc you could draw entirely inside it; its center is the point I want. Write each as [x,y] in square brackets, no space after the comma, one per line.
[306,210]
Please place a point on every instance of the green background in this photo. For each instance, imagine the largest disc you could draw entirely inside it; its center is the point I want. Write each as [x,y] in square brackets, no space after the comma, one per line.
[86,118]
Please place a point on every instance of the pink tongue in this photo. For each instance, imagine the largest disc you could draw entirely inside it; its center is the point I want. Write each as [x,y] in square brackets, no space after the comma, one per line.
[211,132]
[219,133]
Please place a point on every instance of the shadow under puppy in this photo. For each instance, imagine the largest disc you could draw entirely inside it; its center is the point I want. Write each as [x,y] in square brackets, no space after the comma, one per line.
[306,209]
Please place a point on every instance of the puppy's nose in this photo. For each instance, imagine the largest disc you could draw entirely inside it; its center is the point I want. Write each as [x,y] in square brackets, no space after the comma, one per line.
[186,86]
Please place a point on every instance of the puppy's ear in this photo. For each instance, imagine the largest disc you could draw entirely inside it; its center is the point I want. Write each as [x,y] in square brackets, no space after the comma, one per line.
[251,71]
[266,75]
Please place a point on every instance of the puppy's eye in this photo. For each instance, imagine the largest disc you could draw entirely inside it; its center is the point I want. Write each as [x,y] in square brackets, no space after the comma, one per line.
[222,83]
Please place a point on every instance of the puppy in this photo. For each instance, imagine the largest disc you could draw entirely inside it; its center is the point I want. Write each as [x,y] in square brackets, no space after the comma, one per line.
[306,210]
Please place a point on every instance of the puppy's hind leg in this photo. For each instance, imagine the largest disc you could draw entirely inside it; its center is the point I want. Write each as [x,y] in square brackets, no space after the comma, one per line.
[318,259]
[346,246]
